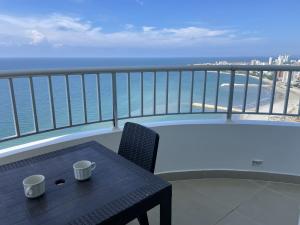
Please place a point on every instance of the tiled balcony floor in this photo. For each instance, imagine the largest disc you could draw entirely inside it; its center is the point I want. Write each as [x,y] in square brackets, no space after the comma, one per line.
[232,202]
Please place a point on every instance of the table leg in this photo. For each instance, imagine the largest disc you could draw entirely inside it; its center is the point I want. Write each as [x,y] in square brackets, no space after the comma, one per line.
[166,210]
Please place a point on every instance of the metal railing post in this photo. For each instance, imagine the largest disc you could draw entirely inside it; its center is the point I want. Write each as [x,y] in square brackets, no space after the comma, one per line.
[246,91]
[259,91]
[287,94]
[179,92]
[217,91]
[192,91]
[69,99]
[99,97]
[13,99]
[273,92]
[167,93]
[204,91]
[84,98]
[231,92]
[52,101]
[115,105]
[32,92]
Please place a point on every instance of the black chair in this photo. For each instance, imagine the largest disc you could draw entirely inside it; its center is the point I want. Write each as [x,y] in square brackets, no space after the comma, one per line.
[139,145]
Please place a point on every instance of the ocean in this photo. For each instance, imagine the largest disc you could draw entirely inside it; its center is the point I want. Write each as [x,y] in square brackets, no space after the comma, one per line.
[41,89]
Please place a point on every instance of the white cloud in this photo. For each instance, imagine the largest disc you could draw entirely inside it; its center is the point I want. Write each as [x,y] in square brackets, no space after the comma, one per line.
[36,37]
[58,30]
[147,29]
[129,26]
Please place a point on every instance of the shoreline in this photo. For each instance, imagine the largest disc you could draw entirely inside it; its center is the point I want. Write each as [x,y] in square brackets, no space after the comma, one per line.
[278,104]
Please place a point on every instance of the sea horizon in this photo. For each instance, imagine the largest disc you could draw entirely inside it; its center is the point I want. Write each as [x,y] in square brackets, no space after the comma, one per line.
[18,63]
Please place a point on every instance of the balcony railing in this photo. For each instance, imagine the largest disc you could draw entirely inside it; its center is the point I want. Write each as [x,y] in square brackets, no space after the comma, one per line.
[39,101]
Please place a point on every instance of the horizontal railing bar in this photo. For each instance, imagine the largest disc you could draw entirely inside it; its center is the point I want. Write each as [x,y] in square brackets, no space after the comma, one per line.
[170,114]
[206,112]
[57,128]
[8,138]
[265,113]
[95,70]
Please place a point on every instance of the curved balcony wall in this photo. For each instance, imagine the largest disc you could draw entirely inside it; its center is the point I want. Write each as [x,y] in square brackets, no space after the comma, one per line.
[199,146]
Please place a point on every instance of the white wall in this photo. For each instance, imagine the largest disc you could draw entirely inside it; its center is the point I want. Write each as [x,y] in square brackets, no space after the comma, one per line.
[202,145]
[230,146]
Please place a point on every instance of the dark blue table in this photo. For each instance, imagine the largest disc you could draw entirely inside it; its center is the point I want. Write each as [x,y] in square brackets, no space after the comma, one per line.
[117,193]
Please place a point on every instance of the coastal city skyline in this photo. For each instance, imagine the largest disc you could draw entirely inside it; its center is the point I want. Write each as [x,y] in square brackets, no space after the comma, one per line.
[282,59]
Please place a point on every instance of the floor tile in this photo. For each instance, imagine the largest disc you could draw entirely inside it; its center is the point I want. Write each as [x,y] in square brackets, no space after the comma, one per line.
[236,218]
[290,190]
[271,208]
[229,192]
[191,207]
[231,202]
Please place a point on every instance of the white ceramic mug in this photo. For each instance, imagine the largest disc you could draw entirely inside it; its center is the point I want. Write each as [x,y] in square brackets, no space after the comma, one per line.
[34,186]
[83,169]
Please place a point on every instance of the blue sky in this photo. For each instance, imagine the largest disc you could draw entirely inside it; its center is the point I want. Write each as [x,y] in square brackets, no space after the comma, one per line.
[154,28]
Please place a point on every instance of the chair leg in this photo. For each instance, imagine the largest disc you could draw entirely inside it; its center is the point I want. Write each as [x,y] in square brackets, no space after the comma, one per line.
[143,219]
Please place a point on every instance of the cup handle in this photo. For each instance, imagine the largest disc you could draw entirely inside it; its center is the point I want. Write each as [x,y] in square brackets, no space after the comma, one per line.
[93,165]
[28,191]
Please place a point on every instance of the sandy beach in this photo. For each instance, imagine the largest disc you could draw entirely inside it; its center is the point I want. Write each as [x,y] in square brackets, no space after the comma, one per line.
[278,106]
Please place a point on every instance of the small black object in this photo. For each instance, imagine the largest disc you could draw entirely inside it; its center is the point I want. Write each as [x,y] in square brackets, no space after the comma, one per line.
[60,182]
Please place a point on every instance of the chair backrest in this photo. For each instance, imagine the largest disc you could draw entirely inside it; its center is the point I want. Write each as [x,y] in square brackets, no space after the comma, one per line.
[139,145]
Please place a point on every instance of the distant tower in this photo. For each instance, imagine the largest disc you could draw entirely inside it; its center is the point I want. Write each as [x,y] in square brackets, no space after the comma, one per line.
[283,59]
[287,58]
[270,60]
[285,76]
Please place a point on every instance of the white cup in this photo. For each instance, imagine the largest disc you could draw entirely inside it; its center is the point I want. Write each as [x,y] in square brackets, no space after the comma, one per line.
[83,169]
[34,186]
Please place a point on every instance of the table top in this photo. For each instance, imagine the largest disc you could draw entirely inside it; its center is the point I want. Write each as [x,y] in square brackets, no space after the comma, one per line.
[115,186]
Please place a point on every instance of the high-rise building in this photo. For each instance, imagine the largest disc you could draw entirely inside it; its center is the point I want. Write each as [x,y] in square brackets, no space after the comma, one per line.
[282,59]
[270,60]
